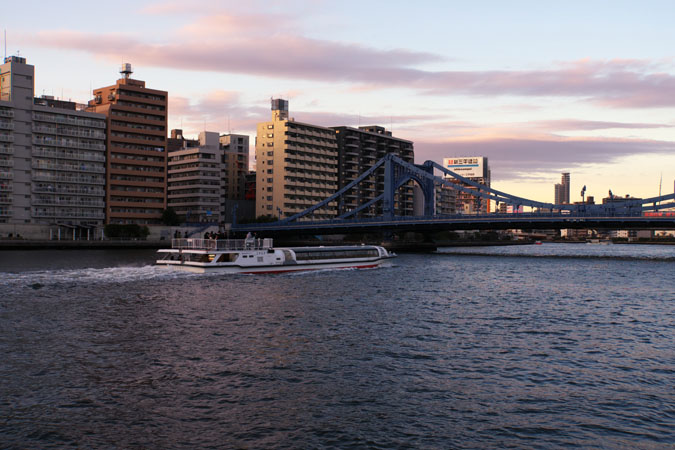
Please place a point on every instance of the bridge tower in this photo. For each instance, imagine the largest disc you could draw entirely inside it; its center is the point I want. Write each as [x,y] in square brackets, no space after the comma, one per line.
[397,175]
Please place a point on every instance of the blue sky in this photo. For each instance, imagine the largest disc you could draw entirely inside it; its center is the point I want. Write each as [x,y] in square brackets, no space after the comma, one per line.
[538,87]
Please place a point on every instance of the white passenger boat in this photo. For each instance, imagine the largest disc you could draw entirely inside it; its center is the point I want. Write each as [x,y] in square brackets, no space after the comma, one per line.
[260,256]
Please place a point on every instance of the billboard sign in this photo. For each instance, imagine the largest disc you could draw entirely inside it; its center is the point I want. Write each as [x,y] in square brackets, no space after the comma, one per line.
[467,166]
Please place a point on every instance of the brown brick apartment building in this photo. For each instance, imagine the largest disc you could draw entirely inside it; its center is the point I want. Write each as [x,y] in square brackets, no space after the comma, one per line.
[136,159]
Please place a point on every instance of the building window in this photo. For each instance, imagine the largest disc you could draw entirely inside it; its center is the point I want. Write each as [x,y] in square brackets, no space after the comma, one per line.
[270,144]
[269,207]
[269,189]
[270,153]
[270,135]
[270,180]
[269,198]
[270,170]
[270,127]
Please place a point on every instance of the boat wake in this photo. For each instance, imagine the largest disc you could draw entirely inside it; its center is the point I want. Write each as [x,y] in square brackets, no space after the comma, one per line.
[39,279]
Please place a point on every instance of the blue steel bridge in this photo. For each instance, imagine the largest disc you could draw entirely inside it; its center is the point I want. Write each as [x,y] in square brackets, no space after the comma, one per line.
[650,213]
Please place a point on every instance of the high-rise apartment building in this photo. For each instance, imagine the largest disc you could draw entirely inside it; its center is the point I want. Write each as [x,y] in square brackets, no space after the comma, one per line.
[358,150]
[235,157]
[562,190]
[136,149]
[206,176]
[52,156]
[476,169]
[195,177]
[297,166]
[68,166]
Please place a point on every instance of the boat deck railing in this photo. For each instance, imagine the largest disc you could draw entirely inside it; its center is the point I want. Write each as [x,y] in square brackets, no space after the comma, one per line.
[222,244]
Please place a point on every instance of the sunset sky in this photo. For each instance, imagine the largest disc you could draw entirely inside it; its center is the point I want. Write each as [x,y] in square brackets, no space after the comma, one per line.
[539,87]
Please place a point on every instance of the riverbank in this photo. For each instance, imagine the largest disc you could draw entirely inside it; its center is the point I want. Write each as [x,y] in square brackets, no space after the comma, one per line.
[397,246]
[38,244]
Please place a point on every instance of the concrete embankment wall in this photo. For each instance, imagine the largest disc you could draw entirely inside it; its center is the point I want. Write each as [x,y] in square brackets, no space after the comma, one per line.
[29,236]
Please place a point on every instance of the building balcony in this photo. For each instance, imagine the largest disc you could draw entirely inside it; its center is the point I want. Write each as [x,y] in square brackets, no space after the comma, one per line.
[76,156]
[5,212]
[6,162]
[6,113]
[6,138]
[67,143]
[70,120]
[67,213]
[5,199]
[6,149]
[68,190]
[66,178]
[6,175]
[67,167]
[44,129]
[90,134]
[89,203]
[6,125]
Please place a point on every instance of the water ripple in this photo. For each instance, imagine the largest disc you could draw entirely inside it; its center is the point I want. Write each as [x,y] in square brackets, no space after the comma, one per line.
[432,352]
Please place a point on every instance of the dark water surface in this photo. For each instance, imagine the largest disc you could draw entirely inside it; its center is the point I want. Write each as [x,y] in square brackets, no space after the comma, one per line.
[511,348]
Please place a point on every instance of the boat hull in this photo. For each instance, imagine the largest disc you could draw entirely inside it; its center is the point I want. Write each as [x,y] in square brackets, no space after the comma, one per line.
[275,268]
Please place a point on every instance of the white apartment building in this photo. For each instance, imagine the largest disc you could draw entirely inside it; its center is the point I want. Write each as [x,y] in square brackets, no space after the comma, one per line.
[52,155]
[194,178]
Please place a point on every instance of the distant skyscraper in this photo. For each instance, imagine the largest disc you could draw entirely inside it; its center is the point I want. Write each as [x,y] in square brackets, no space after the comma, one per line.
[562,190]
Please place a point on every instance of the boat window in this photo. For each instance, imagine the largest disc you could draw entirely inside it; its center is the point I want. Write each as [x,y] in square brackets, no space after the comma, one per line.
[227,257]
[336,254]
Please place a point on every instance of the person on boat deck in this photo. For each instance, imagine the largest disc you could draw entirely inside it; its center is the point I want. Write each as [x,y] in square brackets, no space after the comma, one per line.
[249,240]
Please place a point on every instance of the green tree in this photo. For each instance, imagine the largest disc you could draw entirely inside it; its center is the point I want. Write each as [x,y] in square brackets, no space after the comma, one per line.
[170,217]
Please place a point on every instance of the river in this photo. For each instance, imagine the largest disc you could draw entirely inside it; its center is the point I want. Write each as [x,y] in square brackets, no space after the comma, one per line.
[542,346]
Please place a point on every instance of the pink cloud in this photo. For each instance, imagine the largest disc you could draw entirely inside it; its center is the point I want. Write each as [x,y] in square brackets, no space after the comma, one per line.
[592,125]
[220,111]
[234,44]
